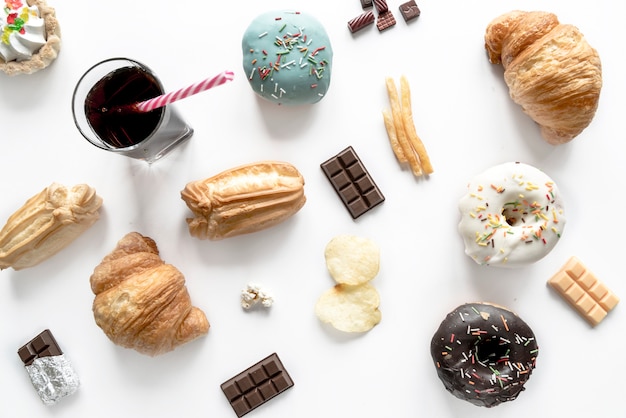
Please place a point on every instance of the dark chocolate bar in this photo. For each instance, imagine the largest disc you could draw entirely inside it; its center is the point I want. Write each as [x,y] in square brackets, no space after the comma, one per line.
[409,10]
[352,182]
[366,3]
[256,385]
[43,345]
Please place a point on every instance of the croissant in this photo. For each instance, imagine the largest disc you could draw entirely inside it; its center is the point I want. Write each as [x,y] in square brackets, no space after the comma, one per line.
[550,69]
[141,302]
[46,223]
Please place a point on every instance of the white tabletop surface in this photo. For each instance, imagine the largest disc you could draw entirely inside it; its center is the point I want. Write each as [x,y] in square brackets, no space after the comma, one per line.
[462,112]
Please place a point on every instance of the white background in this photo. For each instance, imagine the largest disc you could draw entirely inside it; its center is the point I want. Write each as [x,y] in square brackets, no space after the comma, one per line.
[463,114]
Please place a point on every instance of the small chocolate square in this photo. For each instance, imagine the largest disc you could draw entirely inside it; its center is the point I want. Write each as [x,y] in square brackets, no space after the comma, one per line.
[341,180]
[244,383]
[364,185]
[373,197]
[350,194]
[409,10]
[271,367]
[259,376]
[366,3]
[27,354]
[281,383]
[240,406]
[43,345]
[347,157]
[267,389]
[231,391]
[356,171]
[254,398]
[333,167]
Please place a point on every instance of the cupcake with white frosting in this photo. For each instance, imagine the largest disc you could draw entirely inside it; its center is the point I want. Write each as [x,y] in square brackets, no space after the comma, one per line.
[30,36]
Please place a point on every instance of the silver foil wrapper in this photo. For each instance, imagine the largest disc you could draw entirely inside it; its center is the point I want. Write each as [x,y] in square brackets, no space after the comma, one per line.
[53,377]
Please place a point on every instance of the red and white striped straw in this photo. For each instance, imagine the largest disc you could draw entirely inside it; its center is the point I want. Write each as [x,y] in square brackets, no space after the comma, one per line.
[165,99]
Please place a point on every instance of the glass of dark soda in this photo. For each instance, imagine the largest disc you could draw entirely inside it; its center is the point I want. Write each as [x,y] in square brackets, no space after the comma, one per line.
[103,111]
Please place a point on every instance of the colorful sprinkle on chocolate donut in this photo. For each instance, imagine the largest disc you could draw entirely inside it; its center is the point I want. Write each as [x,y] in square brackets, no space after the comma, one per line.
[484,353]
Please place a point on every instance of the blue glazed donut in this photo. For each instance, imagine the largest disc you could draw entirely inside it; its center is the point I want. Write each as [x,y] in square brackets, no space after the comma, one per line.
[287,57]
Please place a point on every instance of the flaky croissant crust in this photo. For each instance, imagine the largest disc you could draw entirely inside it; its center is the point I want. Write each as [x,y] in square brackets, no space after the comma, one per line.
[550,69]
[141,302]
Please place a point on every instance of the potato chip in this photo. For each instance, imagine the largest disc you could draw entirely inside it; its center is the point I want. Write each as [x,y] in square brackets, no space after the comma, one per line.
[352,260]
[350,308]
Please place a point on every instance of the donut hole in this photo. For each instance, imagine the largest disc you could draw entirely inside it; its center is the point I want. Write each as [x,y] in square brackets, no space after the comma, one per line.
[491,350]
[514,214]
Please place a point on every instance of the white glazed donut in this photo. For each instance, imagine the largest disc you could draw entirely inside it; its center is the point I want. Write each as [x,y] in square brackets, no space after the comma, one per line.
[511,216]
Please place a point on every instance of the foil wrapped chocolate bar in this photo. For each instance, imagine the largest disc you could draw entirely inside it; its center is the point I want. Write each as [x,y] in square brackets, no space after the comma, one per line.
[51,373]
[256,385]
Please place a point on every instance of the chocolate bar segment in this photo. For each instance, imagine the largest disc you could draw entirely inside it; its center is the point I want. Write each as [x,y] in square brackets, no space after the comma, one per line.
[367,3]
[256,385]
[352,182]
[409,10]
[43,345]
[583,291]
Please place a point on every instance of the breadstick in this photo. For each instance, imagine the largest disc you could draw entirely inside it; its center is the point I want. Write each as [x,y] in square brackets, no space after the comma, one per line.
[393,137]
[409,127]
[396,112]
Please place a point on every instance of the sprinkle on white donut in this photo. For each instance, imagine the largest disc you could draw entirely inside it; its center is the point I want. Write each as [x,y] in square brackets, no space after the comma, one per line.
[511,216]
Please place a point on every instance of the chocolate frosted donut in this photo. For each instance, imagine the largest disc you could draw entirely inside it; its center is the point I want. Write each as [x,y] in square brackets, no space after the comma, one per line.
[484,353]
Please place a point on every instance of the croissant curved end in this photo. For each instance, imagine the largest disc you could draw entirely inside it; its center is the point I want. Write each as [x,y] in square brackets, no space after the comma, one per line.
[195,325]
[141,302]
[550,69]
